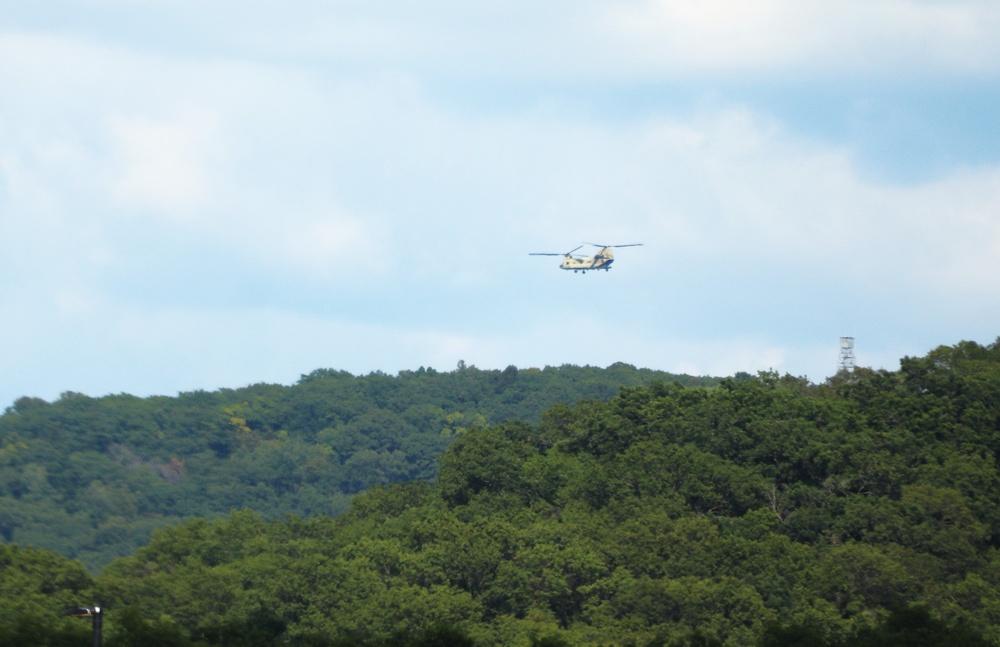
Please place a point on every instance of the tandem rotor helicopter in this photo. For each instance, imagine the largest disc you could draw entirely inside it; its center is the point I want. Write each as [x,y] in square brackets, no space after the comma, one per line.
[602,260]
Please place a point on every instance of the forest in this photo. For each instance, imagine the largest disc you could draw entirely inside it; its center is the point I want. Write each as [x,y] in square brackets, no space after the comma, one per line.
[754,510]
[91,478]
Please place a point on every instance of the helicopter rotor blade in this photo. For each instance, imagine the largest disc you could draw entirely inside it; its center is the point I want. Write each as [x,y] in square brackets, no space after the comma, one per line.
[553,253]
[629,245]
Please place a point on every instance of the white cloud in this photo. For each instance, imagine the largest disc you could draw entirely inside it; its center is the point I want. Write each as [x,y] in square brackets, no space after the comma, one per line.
[736,186]
[166,166]
[808,36]
[947,234]
[558,41]
[628,39]
[596,338]
[325,246]
[231,155]
[324,174]
[75,304]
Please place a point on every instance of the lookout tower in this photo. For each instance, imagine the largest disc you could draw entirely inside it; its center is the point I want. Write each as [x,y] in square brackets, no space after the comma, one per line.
[846,354]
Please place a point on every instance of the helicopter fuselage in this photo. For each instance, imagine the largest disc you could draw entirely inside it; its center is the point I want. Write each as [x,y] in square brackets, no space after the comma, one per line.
[585,263]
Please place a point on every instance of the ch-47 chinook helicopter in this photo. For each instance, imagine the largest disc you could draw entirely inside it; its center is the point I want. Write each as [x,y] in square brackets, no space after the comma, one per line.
[602,260]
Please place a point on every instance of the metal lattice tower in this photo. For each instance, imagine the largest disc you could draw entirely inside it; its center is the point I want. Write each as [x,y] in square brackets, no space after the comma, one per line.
[846,354]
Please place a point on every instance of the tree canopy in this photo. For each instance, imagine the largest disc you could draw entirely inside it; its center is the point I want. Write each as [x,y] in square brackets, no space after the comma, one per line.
[762,511]
[91,478]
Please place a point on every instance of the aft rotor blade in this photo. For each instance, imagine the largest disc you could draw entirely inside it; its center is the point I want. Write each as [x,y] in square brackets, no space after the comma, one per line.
[545,254]
[629,245]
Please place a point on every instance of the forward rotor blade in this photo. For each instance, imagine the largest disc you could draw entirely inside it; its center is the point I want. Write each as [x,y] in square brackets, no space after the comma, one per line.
[554,254]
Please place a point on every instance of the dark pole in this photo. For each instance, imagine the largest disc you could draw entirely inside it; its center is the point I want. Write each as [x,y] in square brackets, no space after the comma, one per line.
[95,614]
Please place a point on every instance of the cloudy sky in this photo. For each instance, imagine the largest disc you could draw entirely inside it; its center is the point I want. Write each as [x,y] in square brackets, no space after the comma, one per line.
[196,195]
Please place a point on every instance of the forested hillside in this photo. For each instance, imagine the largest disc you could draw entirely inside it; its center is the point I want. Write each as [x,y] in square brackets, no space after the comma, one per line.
[768,511]
[92,477]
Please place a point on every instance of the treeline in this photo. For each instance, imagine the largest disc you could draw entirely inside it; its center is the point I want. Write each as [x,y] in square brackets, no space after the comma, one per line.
[768,511]
[92,477]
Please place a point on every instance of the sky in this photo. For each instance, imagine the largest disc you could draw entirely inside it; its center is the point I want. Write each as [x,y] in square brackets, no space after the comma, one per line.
[205,195]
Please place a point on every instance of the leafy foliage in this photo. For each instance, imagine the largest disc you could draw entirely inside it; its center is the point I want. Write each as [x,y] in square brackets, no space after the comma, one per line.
[765,511]
[91,478]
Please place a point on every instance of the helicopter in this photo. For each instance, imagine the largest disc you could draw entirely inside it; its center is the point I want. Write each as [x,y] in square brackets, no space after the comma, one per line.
[602,260]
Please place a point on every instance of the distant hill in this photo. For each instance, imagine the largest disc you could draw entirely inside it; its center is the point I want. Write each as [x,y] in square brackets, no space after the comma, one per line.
[765,511]
[91,478]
